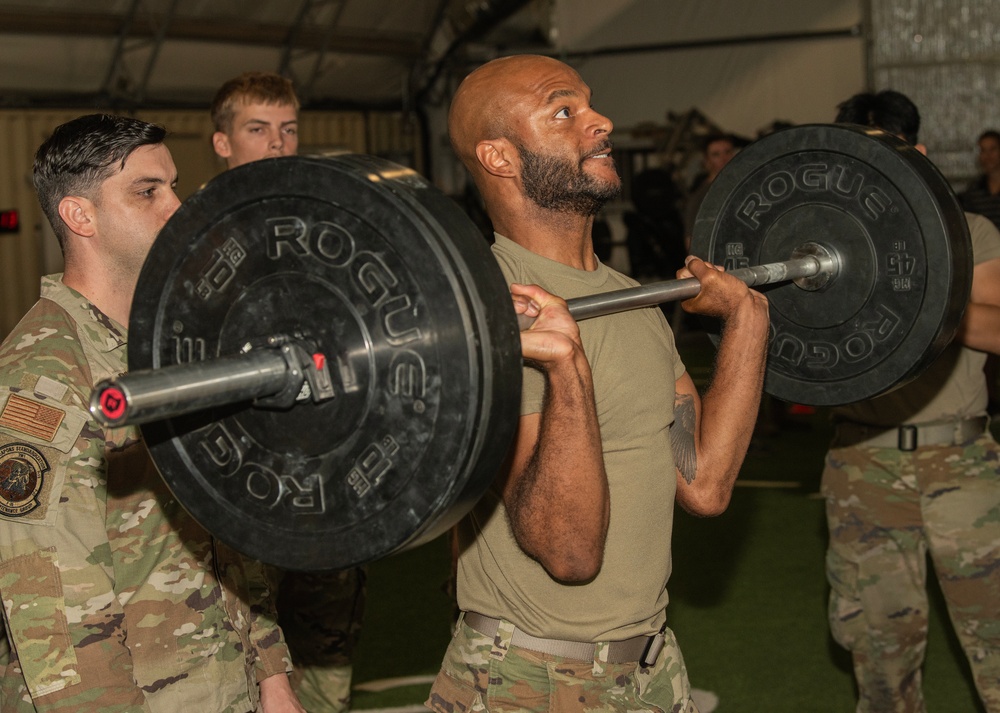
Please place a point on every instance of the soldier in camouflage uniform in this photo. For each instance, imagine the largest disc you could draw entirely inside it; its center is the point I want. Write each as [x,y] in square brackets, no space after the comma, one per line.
[114,598]
[913,472]
[256,117]
[563,565]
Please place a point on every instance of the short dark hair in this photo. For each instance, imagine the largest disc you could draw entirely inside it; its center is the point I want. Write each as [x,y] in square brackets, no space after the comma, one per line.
[887,110]
[989,134]
[250,88]
[81,154]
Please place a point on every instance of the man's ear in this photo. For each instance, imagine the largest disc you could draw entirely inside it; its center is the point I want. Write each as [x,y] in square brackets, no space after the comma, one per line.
[78,214]
[220,142]
[497,156]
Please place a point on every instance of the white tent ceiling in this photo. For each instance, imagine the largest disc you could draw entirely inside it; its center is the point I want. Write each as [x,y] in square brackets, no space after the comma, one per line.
[371,53]
[366,53]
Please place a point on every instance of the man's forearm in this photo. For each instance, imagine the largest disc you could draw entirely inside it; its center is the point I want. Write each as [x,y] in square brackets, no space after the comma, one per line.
[277,696]
[980,328]
[729,406]
[560,505]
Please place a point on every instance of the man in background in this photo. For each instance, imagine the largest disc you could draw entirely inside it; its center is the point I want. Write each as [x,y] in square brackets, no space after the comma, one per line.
[719,149]
[983,194]
[913,472]
[256,117]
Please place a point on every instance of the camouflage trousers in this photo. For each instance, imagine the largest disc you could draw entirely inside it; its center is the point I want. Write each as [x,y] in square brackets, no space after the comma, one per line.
[483,674]
[320,615]
[886,511]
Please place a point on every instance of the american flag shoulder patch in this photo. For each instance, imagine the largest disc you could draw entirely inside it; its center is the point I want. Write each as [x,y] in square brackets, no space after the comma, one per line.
[31,417]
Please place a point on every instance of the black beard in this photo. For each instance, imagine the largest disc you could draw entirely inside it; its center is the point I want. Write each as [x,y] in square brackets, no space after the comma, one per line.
[556,184]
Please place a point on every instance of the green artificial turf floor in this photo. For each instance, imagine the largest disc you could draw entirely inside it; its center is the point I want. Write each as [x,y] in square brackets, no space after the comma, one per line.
[748,596]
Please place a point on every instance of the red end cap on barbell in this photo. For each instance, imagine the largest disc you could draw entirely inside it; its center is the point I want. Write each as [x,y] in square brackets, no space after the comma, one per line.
[112,403]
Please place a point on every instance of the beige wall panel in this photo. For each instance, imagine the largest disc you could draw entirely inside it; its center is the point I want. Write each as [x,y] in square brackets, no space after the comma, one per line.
[321,132]
[33,251]
[396,136]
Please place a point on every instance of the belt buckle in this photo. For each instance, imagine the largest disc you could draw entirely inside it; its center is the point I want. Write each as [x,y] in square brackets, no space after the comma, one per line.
[907,438]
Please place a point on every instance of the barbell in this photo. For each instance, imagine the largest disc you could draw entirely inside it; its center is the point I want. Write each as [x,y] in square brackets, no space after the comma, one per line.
[326,363]
[284,369]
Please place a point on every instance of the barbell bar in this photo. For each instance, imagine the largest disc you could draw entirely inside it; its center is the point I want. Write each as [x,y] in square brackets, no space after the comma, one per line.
[282,366]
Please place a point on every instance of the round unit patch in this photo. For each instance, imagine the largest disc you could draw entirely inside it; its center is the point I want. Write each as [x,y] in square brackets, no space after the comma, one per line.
[22,472]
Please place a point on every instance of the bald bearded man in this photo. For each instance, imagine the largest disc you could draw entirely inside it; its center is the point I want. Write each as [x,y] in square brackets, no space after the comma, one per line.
[563,565]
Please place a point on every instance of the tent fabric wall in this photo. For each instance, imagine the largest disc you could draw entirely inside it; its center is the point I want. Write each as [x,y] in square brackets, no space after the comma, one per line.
[740,86]
[741,89]
[588,24]
[944,56]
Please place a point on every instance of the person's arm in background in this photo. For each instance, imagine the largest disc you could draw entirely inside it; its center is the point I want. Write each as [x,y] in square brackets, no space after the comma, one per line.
[277,696]
[980,327]
[254,585]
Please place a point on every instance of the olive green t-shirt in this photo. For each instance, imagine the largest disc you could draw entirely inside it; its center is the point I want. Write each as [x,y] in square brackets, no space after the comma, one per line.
[954,386]
[635,366]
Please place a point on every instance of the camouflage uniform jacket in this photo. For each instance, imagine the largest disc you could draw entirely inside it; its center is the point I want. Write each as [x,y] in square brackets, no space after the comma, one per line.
[114,597]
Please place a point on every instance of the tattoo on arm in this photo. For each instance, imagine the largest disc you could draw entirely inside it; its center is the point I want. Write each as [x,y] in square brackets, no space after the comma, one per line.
[682,437]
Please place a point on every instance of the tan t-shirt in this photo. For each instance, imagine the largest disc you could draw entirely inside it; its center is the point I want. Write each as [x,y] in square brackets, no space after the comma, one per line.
[635,367]
[954,386]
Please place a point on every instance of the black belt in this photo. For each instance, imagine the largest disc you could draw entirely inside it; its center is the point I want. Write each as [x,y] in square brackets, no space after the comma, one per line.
[627,651]
[909,437]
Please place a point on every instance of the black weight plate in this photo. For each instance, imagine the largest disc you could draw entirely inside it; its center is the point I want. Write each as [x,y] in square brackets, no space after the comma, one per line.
[399,291]
[903,243]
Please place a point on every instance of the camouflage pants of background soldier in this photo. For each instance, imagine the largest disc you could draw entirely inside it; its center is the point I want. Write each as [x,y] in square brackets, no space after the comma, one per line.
[320,615]
[886,509]
[480,674]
